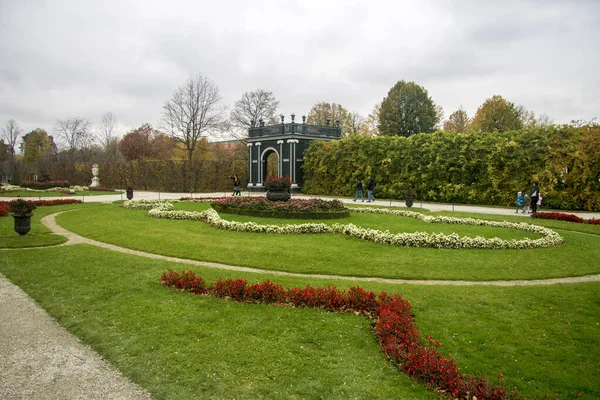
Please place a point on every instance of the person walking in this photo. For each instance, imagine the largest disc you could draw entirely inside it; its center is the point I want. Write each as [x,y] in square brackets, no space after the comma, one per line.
[526,202]
[519,201]
[359,191]
[370,188]
[535,195]
[236,185]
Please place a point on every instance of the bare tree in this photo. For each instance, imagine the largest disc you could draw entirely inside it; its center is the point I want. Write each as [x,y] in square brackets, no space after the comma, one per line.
[108,128]
[107,132]
[74,132]
[357,120]
[11,133]
[194,111]
[252,107]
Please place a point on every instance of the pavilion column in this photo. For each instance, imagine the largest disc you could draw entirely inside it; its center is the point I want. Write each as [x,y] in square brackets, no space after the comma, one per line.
[250,180]
[259,167]
[280,167]
[293,143]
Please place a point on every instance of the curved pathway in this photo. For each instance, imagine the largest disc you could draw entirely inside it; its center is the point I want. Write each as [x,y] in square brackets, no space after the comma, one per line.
[72,238]
[41,360]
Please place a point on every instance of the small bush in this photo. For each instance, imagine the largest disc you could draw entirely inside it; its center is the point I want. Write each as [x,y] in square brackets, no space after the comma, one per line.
[45,185]
[15,178]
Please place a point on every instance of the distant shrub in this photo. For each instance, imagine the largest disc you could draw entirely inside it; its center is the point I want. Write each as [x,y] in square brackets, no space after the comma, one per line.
[45,185]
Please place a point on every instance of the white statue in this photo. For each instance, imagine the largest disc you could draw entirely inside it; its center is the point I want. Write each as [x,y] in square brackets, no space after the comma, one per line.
[95,180]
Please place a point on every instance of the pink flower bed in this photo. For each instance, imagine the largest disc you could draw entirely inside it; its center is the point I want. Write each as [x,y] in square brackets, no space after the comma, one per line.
[39,203]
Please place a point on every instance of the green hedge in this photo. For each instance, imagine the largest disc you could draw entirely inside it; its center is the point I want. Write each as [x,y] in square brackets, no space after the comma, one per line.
[476,168]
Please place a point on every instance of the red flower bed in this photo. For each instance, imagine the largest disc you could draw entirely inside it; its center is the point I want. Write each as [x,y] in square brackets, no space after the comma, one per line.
[394,325]
[558,216]
[565,217]
[4,204]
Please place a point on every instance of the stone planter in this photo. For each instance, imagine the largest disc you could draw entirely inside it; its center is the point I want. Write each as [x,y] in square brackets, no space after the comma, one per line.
[409,201]
[129,194]
[22,223]
[280,194]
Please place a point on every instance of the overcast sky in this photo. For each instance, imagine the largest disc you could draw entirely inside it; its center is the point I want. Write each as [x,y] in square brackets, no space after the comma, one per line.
[81,58]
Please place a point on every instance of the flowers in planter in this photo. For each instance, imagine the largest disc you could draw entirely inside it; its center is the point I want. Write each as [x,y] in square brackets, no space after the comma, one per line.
[21,207]
[277,182]
[409,193]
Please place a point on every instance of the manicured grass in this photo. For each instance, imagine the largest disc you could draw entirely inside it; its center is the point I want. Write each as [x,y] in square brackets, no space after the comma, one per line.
[181,346]
[43,193]
[545,340]
[578,256]
[38,236]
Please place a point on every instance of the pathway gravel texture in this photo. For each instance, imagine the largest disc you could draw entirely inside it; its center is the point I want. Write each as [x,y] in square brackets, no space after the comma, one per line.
[41,360]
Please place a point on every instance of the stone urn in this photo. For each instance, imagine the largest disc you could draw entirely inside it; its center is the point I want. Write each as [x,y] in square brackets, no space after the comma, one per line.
[409,201]
[129,192]
[22,223]
[279,194]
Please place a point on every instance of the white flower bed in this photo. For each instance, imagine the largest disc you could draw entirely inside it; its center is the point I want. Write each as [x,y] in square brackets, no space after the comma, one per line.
[165,209]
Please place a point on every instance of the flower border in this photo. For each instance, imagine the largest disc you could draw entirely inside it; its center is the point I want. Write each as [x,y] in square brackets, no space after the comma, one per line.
[165,209]
[392,319]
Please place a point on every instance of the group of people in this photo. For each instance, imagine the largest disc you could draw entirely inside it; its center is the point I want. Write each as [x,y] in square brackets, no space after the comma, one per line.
[370,188]
[529,203]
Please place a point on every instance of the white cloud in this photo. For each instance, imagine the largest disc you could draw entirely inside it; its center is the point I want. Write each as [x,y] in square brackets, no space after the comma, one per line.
[82,58]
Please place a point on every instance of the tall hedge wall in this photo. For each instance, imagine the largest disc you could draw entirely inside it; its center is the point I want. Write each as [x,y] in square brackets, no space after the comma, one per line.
[477,168]
[163,176]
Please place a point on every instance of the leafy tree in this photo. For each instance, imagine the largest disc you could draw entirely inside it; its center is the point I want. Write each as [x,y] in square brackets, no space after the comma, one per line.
[253,107]
[323,111]
[497,115]
[370,126]
[38,149]
[146,142]
[4,151]
[458,122]
[194,110]
[407,110]
[357,121]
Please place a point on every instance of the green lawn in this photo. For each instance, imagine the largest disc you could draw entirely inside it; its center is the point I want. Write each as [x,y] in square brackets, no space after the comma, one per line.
[344,256]
[544,339]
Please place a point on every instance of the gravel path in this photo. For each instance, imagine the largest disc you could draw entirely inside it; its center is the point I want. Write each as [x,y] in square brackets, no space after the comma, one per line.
[41,360]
